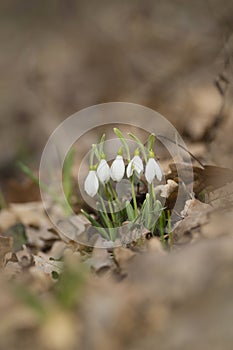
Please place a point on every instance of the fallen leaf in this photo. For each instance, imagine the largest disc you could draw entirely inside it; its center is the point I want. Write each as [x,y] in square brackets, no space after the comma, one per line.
[221,197]
[6,245]
[30,213]
[195,215]
[40,237]
[17,232]
[7,219]
[42,262]
[25,258]
[154,245]
[100,258]
[205,177]
[123,256]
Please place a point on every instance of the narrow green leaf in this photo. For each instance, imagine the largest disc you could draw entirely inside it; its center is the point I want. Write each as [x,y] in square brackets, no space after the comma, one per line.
[94,223]
[67,175]
[130,212]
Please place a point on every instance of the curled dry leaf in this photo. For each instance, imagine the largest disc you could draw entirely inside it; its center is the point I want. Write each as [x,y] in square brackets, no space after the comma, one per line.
[209,176]
[72,228]
[100,258]
[24,257]
[166,190]
[40,237]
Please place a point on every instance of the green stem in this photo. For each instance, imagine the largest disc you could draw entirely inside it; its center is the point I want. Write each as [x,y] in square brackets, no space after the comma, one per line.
[96,153]
[114,194]
[94,223]
[134,196]
[169,229]
[140,144]
[161,228]
[152,191]
[151,141]
[104,213]
[101,144]
[122,139]
[110,204]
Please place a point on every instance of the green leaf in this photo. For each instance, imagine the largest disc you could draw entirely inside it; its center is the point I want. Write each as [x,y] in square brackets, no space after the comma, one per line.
[94,223]
[130,212]
[67,175]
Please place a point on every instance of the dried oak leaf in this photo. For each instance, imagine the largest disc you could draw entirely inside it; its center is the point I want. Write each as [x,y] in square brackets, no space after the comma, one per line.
[209,176]
[196,215]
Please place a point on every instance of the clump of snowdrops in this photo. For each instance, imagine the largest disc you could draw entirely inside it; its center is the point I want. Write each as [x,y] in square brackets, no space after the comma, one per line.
[101,181]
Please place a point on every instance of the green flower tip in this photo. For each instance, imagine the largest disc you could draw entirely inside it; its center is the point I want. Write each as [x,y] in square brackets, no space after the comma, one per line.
[151,153]
[102,138]
[103,156]
[137,152]
[120,152]
[118,133]
[93,167]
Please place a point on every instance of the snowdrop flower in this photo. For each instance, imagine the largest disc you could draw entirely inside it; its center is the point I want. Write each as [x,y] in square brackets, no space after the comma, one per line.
[118,168]
[103,171]
[135,164]
[91,184]
[152,169]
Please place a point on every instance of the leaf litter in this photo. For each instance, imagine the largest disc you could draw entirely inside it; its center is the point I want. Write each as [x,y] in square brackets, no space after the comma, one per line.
[142,285]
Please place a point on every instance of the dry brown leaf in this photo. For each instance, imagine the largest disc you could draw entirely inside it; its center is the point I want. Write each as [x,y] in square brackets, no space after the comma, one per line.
[123,256]
[25,258]
[39,237]
[72,228]
[220,224]
[154,245]
[196,215]
[6,245]
[221,197]
[7,219]
[57,250]
[42,262]
[203,178]
[100,258]
[30,213]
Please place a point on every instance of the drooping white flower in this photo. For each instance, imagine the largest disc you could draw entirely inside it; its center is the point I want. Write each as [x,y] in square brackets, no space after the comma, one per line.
[153,170]
[118,169]
[136,165]
[91,184]
[103,171]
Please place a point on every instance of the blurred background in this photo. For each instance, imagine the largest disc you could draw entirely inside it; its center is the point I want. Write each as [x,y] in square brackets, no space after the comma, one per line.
[58,57]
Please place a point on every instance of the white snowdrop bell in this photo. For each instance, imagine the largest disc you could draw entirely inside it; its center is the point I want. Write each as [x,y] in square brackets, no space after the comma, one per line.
[118,169]
[153,170]
[103,171]
[91,184]
[136,165]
